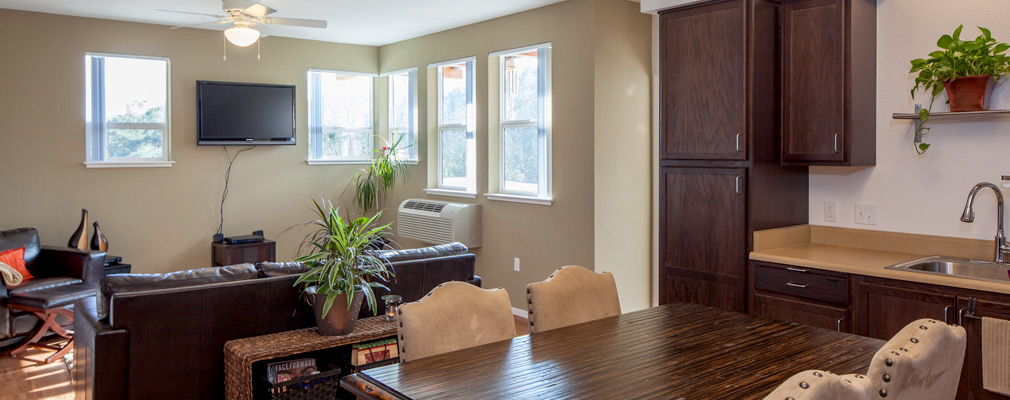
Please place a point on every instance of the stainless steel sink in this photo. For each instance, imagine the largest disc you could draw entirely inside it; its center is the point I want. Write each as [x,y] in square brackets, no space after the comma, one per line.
[959,267]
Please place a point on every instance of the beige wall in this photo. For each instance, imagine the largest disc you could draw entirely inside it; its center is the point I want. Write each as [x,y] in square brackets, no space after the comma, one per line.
[623,146]
[158,219]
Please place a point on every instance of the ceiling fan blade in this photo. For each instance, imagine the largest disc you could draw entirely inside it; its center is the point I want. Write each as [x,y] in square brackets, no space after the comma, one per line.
[223,21]
[264,30]
[193,13]
[307,23]
[258,10]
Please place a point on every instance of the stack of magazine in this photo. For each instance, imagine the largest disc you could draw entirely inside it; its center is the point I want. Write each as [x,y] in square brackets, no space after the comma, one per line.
[293,369]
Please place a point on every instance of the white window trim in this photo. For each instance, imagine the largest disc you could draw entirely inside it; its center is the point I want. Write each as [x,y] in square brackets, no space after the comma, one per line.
[166,137]
[543,201]
[413,154]
[451,193]
[544,194]
[313,141]
[469,127]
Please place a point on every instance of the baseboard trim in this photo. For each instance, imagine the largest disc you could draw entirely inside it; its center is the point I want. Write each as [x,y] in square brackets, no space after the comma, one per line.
[519,313]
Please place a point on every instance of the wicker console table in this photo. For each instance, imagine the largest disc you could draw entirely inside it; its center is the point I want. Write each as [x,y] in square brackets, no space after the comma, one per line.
[240,354]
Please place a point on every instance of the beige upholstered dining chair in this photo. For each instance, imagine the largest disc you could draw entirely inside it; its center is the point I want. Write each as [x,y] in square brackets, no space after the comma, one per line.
[571,295]
[453,316]
[921,362]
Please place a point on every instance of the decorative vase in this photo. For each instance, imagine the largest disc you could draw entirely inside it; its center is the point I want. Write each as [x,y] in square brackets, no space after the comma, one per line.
[340,320]
[98,240]
[80,237]
[969,93]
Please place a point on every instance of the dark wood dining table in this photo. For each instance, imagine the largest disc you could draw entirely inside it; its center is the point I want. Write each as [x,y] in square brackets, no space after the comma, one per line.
[674,351]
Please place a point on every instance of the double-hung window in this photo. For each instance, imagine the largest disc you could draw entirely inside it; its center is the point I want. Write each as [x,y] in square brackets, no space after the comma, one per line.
[340,117]
[127,111]
[403,113]
[456,123]
[524,121]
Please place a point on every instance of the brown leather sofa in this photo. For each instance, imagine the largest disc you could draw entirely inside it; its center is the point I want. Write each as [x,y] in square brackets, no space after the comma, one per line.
[51,267]
[161,336]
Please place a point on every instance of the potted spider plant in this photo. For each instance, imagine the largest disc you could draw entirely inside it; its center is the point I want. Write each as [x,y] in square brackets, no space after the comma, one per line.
[342,271]
[966,69]
[373,183]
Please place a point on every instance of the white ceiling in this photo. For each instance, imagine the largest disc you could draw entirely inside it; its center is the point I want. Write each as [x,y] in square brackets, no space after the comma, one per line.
[367,22]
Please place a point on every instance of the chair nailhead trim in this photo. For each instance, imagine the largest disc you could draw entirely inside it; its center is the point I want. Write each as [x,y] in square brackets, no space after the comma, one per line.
[804,385]
[818,374]
[887,378]
[923,327]
[530,301]
[914,340]
[527,290]
[903,349]
[883,392]
[790,398]
[889,362]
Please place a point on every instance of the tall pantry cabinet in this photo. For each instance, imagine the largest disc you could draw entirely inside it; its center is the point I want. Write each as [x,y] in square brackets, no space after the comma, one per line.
[720,174]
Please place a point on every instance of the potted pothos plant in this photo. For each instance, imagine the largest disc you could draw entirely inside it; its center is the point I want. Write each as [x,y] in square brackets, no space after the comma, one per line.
[342,270]
[966,69]
[372,184]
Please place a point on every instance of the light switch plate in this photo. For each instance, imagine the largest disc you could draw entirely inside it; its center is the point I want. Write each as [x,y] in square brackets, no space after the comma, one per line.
[866,214]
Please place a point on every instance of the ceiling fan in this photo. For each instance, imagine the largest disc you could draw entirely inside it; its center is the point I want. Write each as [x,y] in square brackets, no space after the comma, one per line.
[249,21]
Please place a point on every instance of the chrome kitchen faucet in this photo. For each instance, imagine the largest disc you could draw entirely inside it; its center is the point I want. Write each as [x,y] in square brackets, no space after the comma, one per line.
[1002,249]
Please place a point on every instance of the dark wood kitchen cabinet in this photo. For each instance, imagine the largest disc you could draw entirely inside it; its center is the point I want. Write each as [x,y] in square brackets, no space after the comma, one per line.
[985,305]
[702,239]
[829,82]
[720,172]
[802,295]
[881,307]
[704,92]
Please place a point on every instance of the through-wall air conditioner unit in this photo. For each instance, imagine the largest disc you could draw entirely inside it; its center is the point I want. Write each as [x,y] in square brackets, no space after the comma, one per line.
[439,222]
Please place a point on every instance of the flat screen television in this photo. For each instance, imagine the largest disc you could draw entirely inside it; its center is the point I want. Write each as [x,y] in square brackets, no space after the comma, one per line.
[230,113]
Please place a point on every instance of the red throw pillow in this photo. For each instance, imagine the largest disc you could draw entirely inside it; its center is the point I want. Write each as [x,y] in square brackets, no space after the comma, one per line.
[16,259]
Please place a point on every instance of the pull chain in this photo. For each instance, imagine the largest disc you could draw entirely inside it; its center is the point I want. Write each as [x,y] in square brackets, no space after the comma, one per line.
[224,48]
[258,48]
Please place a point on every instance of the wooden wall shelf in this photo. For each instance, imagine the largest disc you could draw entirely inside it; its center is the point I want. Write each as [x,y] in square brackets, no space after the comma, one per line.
[946,115]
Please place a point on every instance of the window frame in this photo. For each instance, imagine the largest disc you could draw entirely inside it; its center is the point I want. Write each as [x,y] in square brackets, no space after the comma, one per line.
[411,133]
[542,123]
[96,131]
[315,134]
[469,126]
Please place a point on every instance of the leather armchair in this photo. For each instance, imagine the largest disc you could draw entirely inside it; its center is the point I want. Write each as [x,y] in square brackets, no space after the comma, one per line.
[51,266]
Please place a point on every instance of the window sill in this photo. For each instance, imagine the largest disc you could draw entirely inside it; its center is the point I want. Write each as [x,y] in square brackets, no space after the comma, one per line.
[543,201]
[338,162]
[128,164]
[451,193]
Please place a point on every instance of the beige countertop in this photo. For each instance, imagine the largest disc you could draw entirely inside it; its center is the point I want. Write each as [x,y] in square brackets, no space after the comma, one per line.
[865,252]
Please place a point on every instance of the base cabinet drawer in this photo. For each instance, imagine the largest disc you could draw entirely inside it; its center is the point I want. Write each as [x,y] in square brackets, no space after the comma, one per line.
[800,282]
[801,312]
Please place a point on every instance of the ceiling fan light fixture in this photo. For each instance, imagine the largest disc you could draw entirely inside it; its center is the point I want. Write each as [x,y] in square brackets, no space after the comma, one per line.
[242,36]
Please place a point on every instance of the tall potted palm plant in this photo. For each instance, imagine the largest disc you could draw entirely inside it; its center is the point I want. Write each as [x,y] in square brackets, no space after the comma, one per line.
[342,272]
[373,183]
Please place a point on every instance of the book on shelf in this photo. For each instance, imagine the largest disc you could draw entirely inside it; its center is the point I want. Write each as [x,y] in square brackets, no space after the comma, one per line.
[284,371]
[367,353]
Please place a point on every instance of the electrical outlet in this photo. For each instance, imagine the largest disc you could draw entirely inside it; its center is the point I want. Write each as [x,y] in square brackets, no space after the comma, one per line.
[866,214]
[830,211]
[517,264]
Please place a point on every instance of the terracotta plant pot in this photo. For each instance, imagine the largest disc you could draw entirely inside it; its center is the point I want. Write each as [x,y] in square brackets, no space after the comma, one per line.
[969,93]
[340,320]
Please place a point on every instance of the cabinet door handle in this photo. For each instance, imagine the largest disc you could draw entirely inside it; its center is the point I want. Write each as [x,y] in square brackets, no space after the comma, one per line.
[738,147]
[836,143]
[794,269]
[945,314]
[796,285]
[839,324]
[738,185]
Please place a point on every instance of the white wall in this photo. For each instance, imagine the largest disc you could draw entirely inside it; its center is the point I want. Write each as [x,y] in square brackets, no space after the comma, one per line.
[923,194]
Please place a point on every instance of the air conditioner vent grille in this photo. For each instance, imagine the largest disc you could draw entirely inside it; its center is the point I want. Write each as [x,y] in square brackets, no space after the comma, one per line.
[424,206]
